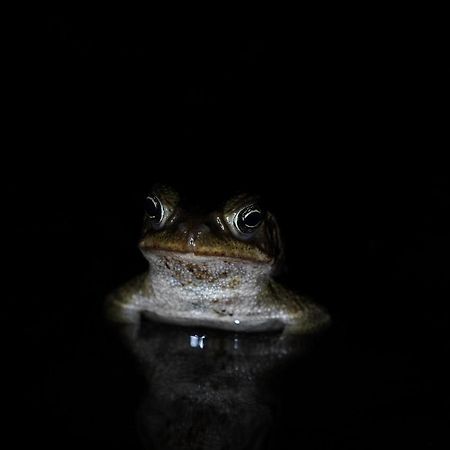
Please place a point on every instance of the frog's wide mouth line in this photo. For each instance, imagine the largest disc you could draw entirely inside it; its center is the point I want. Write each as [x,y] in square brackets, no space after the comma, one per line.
[207,256]
[207,246]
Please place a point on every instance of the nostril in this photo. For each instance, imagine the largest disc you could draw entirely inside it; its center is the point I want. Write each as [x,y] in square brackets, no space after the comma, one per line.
[202,228]
[195,232]
[183,227]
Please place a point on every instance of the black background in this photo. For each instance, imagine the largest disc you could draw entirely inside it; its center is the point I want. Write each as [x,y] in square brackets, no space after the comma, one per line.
[338,123]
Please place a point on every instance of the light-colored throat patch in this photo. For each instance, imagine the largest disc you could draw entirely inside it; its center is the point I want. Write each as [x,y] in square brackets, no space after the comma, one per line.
[189,282]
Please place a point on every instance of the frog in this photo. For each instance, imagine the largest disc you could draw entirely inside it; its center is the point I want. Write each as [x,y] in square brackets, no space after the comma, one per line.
[213,268]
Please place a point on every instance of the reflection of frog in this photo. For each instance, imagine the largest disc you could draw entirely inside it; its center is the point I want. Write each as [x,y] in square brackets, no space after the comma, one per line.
[213,270]
[191,374]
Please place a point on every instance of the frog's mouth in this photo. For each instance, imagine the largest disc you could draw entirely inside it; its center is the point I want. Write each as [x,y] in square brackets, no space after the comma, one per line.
[205,248]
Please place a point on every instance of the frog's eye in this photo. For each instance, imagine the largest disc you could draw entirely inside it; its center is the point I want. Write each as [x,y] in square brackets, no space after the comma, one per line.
[154,209]
[248,219]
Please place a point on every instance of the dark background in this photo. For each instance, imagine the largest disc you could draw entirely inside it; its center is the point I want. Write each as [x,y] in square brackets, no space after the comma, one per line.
[338,123]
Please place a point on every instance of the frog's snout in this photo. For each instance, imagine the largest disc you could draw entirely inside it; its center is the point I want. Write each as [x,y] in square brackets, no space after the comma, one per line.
[192,232]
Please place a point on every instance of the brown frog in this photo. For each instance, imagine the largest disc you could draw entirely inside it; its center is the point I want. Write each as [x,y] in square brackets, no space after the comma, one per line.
[213,270]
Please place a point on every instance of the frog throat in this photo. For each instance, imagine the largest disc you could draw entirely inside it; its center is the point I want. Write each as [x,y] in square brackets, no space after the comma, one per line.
[186,278]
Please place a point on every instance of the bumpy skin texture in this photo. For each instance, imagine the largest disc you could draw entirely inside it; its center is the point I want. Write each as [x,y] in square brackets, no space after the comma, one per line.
[212,270]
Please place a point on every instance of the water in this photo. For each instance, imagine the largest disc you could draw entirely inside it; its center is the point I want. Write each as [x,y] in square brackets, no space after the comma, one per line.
[207,389]
[376,379]
[151,386]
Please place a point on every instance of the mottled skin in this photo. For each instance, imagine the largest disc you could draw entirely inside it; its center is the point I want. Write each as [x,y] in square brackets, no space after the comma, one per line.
[213,270]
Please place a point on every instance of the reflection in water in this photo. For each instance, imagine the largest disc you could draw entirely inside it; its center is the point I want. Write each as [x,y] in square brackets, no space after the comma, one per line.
[207,389]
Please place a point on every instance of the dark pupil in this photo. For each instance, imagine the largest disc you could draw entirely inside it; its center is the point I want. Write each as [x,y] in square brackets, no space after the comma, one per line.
[252,218]
[153,208]
[249,219]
